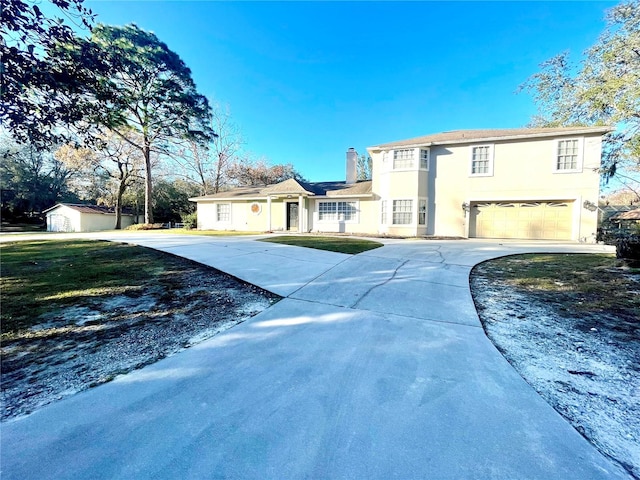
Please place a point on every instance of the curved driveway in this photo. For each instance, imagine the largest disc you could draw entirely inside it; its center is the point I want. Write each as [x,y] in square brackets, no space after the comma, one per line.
[374,366]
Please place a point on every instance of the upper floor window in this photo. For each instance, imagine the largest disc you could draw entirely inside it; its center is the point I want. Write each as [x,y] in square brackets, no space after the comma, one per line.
[223,212]
[424,159]
[482,160]
[402,159]
[568,155]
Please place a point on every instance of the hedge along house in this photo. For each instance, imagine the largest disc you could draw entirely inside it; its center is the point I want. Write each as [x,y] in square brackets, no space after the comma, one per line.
[70,217]
[529,183]
[292,206]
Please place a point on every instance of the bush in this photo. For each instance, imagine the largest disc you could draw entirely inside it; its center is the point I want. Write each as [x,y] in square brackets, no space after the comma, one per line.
[190,220]
[145,226]
[628,247]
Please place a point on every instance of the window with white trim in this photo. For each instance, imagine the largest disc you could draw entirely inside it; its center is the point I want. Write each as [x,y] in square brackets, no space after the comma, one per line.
[223,212]
[422,212]
[337,211]
[424,159]
[482,160]
[402,212]
[383,212]
[567,155]
[403,159]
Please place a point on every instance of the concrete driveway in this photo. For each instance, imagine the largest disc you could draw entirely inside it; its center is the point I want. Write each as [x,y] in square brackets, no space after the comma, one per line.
[374,366]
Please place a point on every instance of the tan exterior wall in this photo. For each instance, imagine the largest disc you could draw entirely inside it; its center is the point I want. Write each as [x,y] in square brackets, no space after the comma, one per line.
[67,219]
[522,171]
[97,222]
[365,222]
[242,218]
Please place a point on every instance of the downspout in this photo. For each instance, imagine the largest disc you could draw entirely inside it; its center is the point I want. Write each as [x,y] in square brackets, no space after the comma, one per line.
[300,214]
[268,213]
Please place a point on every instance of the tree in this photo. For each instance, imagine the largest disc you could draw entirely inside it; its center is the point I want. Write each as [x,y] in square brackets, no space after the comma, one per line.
[150,98]
[604,90]
[259,173]
[35,98]
[364,167]
[172,199]
[31,180]
[207,165]
[115,166]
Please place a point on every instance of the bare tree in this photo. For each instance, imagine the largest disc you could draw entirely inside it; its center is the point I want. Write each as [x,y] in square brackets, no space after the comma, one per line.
[117,160]
[208,165]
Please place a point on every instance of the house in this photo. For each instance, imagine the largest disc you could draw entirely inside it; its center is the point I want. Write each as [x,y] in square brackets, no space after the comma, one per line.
[70,217]
[627,219]
[529,183]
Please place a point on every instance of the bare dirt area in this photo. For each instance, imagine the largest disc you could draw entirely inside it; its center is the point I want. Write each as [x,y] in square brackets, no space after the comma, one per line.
[580,353]
[75,348]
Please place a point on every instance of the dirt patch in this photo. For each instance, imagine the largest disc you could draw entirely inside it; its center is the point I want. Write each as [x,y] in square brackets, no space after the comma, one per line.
[72,349]
[580,355]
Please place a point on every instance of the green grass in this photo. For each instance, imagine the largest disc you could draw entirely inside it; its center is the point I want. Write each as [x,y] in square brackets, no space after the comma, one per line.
[332,244]
[42,276]
[588,281]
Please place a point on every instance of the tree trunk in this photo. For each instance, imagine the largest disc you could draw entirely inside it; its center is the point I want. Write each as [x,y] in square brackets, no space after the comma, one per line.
[121,188]
[148,186]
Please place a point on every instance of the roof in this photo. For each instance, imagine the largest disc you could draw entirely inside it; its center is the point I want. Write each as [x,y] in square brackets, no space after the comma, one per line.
[470,136]
[293,187]
[83,208]
[630,215]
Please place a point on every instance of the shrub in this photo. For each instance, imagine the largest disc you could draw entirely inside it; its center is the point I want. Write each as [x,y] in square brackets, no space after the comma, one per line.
[628,247]
[190,220]
[145,226]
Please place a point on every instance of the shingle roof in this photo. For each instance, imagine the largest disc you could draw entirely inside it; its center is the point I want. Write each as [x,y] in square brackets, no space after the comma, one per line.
[469,136]
[630,215]
[288,186]
[293,187]
[83,208]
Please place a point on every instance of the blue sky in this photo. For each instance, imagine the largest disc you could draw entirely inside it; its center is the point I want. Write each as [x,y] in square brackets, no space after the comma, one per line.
[307,80]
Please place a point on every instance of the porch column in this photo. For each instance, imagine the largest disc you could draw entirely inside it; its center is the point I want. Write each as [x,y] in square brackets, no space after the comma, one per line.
[268,213]
[300,213]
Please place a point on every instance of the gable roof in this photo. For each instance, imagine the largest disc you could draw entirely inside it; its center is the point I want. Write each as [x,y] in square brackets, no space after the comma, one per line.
[293,187]
[470,136]
[630,215]
[83,208]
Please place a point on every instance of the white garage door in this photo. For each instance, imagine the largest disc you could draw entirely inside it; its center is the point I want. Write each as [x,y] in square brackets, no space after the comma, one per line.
[535,220]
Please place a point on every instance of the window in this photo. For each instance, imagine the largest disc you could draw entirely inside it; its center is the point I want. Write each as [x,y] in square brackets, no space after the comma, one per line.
[402,159]
[402,214]
[482,160]
[567,155]
[424,159]
[223,213]
[383,212]
[337,211]
[422,212]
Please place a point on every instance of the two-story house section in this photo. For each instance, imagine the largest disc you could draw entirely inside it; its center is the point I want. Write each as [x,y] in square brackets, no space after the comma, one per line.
[529,183]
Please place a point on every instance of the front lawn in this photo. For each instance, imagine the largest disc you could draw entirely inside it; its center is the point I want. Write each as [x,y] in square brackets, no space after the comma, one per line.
[332,244]
[78,313]
[570,325]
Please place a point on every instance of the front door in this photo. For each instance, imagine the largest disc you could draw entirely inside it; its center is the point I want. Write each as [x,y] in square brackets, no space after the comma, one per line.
[292,216]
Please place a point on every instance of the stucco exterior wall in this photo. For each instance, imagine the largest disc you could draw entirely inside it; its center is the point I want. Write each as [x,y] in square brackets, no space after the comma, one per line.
[365,221]
[522,171]
[67,219]
[63,219]
[95,222]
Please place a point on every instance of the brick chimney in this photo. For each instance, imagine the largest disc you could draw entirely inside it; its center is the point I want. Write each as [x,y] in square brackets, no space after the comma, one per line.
[352,165]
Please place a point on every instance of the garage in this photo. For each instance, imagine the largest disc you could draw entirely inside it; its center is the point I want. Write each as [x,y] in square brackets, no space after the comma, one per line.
[544,220]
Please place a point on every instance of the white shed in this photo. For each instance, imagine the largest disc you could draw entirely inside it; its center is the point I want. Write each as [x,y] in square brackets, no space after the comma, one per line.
[69,217]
